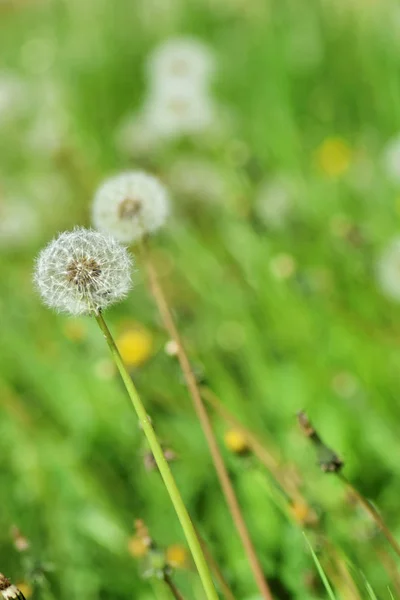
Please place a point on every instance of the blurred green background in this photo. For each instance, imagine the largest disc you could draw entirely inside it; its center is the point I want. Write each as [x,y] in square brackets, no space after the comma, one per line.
[277,260]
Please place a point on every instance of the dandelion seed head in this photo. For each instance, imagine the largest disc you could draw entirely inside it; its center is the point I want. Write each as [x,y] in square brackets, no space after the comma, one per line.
[8,591]
[130,205]
[82,272]
[181,59]
[177,110]
[388,270]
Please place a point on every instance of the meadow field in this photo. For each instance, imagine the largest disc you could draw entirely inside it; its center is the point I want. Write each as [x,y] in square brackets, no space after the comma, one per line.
[272,128]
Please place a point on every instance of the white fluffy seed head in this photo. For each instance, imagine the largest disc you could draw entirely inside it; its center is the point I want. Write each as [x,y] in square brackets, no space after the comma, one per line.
[181,59]
[388,270]
[177,110]
[130,205]
[82,272]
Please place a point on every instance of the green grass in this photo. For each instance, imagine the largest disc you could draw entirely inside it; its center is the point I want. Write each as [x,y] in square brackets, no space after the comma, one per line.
[72,475]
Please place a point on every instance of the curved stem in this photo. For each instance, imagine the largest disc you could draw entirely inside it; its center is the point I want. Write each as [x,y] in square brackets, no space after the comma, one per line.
[205,422]
[163,466]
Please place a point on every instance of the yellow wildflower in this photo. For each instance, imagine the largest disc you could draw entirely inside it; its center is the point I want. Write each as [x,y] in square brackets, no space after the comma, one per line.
[177,556]
[135,345]
[137,546]
[303,513]
[25,589]
[333,157]
[236,441]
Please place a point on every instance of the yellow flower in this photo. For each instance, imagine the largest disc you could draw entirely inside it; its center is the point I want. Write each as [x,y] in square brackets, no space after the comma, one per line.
[137,547]
[236,441]
[333,156]
[25,589]
[177,556]
[135,345]
[303,513]
[75,330]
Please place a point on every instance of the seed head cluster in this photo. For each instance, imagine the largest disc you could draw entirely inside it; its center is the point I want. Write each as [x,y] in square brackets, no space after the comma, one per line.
[8,591]
[130,205]
[82,272]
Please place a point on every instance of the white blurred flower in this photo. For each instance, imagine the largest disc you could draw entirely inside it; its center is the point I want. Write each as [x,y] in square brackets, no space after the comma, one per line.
[82,272]
[391,159]
[19,223]
[177,111]
[130,205]
[274,202]
[13,97]
[185,60]
[388,270]
[198,179]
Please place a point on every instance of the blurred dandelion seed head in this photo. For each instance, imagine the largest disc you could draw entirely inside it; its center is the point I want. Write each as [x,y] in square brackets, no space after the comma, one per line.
[181,59]
[388,270]
[175,110]
[130,206]
[8,591]
[82,272]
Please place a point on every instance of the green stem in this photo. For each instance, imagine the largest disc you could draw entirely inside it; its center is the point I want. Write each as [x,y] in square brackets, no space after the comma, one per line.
[163,466]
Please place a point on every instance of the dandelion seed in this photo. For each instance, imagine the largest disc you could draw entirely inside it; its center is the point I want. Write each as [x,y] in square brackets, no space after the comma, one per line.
[171,348]
[83,272]
[130,205]
[181,59]
[388,270]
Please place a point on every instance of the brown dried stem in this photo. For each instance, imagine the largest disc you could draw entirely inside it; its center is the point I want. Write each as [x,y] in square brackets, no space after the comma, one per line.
[174,590]
[226,485]
[330,462]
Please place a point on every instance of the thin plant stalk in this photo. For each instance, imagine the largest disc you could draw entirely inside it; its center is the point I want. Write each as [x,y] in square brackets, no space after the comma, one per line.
[163,466]
[205,422]
[373,513]
[172,587]
[226,590]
